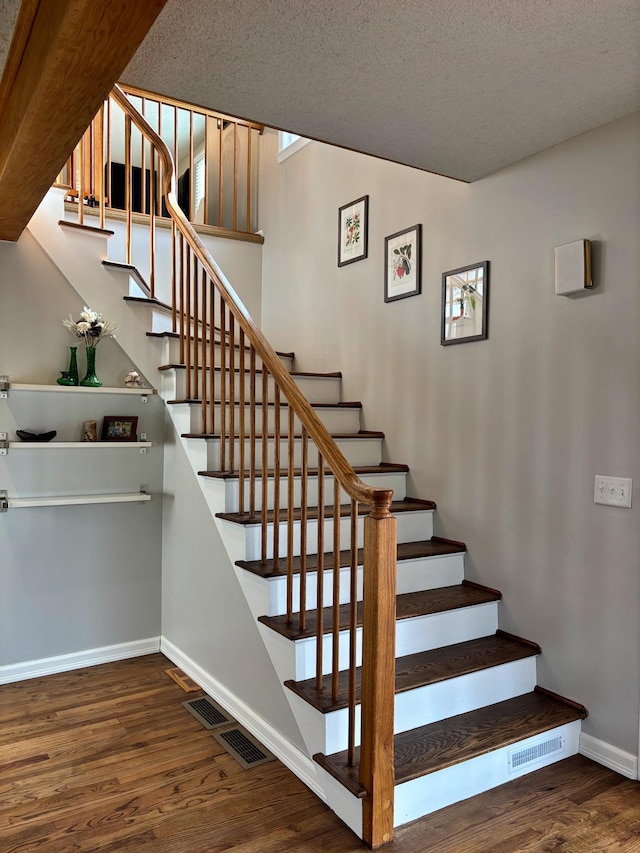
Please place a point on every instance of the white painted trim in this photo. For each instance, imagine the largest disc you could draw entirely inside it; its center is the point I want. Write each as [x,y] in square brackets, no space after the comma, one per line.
[77,660]
[290,755]
[281,156]
[624,763]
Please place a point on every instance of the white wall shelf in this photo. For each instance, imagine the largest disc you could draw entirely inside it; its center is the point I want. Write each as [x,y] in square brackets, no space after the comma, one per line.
[71,500]
[78,445]
[6,387]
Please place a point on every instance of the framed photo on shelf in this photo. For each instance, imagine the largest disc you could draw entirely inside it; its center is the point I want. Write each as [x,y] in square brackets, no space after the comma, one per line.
[119,428]
[403,264]
[465,303]
[353,231]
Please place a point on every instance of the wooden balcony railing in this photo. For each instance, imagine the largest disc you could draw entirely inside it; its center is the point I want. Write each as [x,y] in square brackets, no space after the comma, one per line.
[210,320]
[114,167]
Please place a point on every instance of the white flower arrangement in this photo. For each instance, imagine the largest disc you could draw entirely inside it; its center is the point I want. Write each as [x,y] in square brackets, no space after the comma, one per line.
[90,327]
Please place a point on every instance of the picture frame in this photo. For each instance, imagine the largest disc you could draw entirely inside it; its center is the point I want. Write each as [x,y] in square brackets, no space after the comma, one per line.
[465,304]
[353,231]
[403,264]
[119,428]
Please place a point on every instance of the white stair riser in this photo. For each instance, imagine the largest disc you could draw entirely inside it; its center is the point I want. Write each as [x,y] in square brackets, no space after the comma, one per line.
[429,793]
[385,480]
[412,635]
[317,389]
[412,576]
[171,354]
[161,321]
[358,451]
[412,527]
[336,420]
[328,733]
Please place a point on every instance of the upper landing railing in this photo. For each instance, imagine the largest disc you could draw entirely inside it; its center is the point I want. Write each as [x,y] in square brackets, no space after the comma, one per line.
[290,470]
[215,156]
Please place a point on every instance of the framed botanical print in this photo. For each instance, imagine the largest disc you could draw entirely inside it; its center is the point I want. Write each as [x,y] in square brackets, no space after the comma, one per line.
[403,263]
[353,228]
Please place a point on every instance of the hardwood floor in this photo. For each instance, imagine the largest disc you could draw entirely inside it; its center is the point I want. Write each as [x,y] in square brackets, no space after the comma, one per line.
[106,760]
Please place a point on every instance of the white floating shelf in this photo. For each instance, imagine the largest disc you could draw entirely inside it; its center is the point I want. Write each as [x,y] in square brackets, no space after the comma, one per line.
[71,500]
[78,445]
[78,389]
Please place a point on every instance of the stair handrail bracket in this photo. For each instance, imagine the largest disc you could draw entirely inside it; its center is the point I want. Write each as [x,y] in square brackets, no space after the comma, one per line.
[204,325]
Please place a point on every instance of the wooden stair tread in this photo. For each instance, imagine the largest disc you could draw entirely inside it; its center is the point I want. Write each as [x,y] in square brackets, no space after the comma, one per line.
[423,668]
[434,547]
[406,505]
[148,300]
[433,747]
[90,229]
[283,435]
[176,336]
[332,374]
[382,468]
[408,605]
[355,404]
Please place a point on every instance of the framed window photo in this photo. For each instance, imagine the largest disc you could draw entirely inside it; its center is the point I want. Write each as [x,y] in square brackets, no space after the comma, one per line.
[403,263]
[353,230]
[119,428]
[465,302]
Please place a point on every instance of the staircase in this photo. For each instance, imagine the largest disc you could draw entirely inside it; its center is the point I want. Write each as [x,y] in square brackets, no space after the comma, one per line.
[400,721]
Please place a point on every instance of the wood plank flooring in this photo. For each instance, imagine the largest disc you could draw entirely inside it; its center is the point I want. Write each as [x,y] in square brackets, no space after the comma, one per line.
[106,760]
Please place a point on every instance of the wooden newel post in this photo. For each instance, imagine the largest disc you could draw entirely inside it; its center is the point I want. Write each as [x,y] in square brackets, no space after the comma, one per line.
[377,774]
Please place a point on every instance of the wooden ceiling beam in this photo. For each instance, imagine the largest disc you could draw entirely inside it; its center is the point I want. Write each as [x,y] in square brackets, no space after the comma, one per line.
[64,58]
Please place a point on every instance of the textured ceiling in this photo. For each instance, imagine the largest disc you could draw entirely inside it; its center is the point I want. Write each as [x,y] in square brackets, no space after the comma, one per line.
[8,15]
[453,86]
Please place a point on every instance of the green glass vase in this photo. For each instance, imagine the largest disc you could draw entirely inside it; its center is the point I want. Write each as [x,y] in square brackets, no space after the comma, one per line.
[91,380]
[70,377]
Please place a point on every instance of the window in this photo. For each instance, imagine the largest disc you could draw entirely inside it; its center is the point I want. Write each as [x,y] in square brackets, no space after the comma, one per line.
[198,188]
[288,144]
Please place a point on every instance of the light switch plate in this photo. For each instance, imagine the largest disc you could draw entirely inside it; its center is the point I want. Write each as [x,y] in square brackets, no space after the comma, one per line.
[614,491]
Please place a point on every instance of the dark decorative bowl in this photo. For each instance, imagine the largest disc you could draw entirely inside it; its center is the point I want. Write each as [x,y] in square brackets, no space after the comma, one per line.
[23,435]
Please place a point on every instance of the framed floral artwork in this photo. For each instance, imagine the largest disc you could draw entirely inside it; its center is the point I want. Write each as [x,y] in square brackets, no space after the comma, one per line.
[353,228]
[465,303]
[403,263]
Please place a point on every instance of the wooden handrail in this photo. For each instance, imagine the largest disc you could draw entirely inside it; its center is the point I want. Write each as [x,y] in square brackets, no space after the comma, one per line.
[378,649]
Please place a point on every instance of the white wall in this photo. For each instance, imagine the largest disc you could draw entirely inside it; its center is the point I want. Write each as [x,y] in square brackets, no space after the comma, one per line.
[72,578]
[507,434]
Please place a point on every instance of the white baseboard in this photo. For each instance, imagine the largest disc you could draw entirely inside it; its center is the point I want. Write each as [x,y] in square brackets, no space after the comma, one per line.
[609,756]
[290,755]
[77,660]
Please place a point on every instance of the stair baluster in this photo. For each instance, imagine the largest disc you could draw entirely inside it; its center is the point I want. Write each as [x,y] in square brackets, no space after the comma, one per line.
[265,466]
[290,505]
[241,463]
[188,320]
[223,385]
[252,433]
[204,344]
[320,574]
[276,478]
